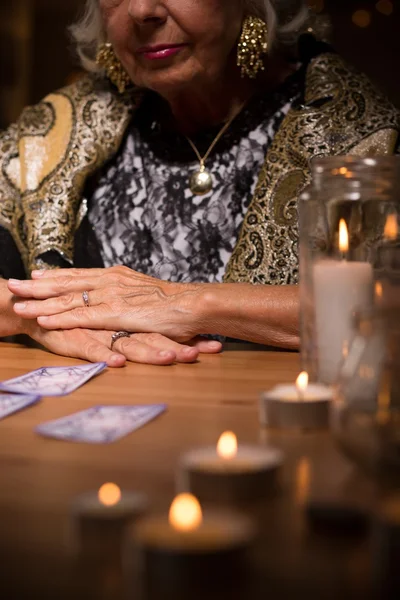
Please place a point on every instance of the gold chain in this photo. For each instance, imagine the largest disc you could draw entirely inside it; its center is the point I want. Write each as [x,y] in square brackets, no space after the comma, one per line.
[202,159]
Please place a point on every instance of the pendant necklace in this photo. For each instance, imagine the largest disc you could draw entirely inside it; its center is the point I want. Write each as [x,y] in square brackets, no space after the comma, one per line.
[201,182]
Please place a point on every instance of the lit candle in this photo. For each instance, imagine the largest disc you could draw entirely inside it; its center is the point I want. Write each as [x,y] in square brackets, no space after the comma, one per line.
[303,405]
[99,519]
[230,474]
[189,554]
[340,289]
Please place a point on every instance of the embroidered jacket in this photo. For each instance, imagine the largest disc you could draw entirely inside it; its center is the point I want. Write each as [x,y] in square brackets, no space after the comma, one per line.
[49,155]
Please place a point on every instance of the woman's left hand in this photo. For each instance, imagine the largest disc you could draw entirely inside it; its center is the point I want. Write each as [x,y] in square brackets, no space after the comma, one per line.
[120,299]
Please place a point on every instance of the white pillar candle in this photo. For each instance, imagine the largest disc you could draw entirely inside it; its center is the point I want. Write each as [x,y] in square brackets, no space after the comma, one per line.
[303,406]
[190,554]
[340,288]
[230,474]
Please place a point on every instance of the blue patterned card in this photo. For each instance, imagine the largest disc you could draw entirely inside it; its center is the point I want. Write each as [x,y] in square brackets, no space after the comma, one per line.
[52,381]
[12,403]
[101,424]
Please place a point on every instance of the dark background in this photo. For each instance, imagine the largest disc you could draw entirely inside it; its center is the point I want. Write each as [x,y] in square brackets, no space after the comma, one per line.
[36,55]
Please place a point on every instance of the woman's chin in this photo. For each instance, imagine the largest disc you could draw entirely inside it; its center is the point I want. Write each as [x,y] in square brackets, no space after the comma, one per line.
[169,80]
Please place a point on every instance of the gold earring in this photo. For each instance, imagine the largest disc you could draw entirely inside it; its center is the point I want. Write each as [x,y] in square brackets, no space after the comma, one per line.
[107,60]
[252,47]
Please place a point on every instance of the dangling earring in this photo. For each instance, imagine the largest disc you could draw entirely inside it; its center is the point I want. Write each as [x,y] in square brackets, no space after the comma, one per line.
[252,47]
[107,60]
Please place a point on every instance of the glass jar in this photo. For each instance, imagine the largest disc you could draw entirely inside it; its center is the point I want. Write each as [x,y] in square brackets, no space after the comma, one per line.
[366,409]
[349,253]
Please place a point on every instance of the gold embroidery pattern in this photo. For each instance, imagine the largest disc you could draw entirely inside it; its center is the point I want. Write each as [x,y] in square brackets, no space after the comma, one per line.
[342,114]
[9,188]
[341,109]
[37,120]
[49,212]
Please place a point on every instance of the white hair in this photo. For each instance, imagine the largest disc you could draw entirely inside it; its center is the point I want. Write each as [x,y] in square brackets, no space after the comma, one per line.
[285,19]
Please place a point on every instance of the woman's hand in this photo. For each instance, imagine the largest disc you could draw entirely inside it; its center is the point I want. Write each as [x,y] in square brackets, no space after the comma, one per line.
[94,346]
[120,299]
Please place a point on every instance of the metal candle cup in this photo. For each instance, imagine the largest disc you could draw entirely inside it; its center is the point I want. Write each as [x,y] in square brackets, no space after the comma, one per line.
[302,406]
[99,519]
[191,554]
[230,474]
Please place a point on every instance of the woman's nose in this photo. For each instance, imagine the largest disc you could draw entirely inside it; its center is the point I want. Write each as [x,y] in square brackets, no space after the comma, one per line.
[146,11]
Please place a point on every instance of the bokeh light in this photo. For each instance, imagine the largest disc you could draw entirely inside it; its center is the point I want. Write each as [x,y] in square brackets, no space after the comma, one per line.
[361,18]
[385,7]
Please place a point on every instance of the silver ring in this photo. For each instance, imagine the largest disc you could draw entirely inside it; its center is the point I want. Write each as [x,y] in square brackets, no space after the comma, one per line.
[117,336]
[85,297]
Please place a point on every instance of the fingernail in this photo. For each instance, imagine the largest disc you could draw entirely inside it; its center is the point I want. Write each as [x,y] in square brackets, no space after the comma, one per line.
[166,354]
[20,306]
[116,358]
[116,362]
[43,319]
[38,273]
[15,282]
[214,345]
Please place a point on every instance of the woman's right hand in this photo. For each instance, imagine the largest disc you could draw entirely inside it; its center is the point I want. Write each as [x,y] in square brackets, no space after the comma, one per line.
[94,346]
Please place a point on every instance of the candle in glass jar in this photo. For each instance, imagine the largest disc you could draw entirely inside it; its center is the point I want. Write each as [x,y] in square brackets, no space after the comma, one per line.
[303,405]
[340,288]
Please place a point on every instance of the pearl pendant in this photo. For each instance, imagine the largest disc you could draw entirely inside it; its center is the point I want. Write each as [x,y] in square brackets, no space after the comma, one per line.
[201,182]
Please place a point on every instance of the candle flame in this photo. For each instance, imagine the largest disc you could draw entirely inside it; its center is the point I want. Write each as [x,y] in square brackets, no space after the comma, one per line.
[302,382]
[109,494]
[391,228]
[185,513]
[227,445]
[343,236]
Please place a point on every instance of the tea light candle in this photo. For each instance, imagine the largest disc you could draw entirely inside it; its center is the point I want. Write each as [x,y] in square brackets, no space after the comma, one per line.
[230,474]
[340,288]
[189,554]
[99,519]
[303,405]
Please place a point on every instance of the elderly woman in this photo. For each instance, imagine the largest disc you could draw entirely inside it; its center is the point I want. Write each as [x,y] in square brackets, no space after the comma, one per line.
[169,176]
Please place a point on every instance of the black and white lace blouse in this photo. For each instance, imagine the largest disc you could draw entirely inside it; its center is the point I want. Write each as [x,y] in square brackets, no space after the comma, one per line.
[143,212]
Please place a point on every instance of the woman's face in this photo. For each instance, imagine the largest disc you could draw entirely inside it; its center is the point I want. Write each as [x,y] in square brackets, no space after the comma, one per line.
[168,45]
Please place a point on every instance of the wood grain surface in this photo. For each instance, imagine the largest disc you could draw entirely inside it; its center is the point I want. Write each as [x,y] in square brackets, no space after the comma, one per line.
[39,478]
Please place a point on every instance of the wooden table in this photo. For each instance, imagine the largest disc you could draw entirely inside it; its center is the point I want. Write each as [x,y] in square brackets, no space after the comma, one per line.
[40,477]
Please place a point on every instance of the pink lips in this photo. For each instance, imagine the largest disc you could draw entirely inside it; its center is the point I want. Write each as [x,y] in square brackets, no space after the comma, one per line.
[160,52]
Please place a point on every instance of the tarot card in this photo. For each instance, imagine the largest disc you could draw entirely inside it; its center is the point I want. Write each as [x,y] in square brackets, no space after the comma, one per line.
[101,424]
[12,403]
[52,381]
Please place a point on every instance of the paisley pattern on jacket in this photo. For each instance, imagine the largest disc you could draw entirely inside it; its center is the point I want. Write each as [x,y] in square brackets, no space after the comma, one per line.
[342,114]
